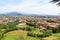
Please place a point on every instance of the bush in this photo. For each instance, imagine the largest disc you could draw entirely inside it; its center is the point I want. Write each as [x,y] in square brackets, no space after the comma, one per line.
[44,33]
[58,29]
[2,26]
[1,34]
[35,33]
[27,28]
[47,33]
[31,23]
[40,34]
[51,21]
[48,27]
[30,33]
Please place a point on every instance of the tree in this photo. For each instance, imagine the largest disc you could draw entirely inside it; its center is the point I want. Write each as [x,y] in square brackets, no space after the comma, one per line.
[1,34]
[47,33]
[58,29]
[31,23]
[11,26]
[55,1]
[51,21]
[2,26]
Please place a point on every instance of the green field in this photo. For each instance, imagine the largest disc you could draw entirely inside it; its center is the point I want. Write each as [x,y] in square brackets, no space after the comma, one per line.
[18,35]
[53,37]
[22,34]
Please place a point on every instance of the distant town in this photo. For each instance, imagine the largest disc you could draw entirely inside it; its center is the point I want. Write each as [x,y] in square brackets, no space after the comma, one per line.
[52,21]
[26,27]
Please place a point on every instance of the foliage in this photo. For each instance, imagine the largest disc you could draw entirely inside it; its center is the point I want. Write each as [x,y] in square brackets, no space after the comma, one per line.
[31,23]
[55,36]
[56,1]
[11,36]
[51,21]
[6,28]
[27,28]
[2,26]
[47,27]
[1,34]
[38,33]
[47,33]
[11,26]
[55,30]
[58,29]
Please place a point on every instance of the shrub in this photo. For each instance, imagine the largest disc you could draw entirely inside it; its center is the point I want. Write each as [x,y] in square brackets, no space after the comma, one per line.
[44,33]
[1,34]
[27,28]
[31,23]
[58,29]
[30,33]
[48,27]
[47,33]
[54,30]
[2,26]
[51,21]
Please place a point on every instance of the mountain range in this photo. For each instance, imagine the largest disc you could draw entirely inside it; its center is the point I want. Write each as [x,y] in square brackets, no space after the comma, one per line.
[25,14]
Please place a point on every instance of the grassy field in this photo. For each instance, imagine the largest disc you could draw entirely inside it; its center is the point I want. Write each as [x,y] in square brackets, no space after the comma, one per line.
[21,25]
[22,35]
[32,38]
[53,37]
[15,35]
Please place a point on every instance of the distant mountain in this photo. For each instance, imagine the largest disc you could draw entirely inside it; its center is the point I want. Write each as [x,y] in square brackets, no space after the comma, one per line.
[14,13]
[25,14]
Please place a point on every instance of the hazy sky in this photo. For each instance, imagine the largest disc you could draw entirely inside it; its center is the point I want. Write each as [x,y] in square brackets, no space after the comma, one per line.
[29,6]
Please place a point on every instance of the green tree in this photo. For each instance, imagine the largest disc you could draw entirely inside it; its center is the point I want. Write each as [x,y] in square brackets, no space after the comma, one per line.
[2,26]
[1,34]
[58,29]
[47,33]
[11,26]
[31,23]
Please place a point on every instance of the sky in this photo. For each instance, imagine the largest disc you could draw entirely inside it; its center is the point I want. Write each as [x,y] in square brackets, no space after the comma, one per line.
[29,7]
